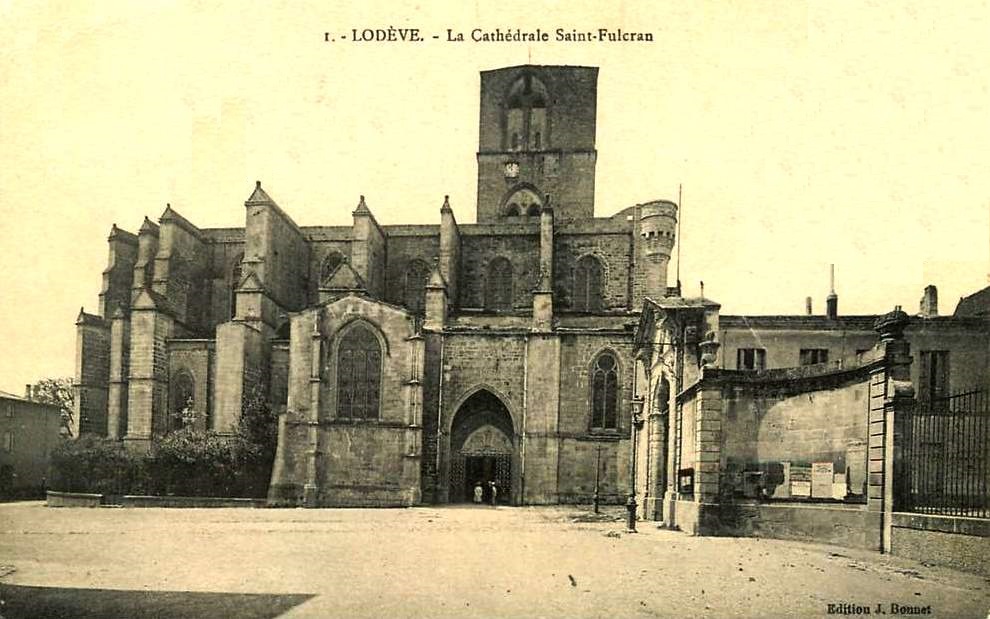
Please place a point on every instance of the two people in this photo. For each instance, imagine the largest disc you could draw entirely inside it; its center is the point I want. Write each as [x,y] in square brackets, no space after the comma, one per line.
[479,493]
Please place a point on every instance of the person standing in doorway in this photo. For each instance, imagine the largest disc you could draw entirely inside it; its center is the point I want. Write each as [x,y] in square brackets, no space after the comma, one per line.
[478,492]
[494,493]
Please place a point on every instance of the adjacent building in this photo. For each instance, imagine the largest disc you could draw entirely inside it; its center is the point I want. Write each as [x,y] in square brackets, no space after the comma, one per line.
[29,430]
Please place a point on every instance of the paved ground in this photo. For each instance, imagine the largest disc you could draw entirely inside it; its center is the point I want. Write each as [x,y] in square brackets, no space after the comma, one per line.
[449,562]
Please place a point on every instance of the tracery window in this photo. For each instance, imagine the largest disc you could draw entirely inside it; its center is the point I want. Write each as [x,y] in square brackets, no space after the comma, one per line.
[329,265]
[523,201]
[588,278]
[359,374]
[526,114]
[604,392]
[498,285]
[414,285]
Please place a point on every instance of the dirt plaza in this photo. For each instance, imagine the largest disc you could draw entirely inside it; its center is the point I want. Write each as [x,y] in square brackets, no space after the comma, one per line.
[464,561]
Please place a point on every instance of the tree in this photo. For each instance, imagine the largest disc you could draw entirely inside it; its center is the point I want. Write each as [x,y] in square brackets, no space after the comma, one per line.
[58,391]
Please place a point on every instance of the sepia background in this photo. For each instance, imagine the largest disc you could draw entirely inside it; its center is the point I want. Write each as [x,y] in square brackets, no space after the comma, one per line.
[804,134]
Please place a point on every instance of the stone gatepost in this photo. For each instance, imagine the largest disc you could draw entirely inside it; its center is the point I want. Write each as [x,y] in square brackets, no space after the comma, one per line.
[891,394]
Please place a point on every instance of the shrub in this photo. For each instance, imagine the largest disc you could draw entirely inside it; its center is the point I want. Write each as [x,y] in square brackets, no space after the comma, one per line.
[182,463]
[96,464]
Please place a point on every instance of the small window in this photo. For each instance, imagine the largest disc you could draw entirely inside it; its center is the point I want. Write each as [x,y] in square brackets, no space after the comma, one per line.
[604,393]
[813,356]
[933,375]
[8,441]
[533,210]
[8,409]
[751,359]
[513,210]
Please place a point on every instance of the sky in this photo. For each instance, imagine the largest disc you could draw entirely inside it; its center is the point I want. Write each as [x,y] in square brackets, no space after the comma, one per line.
[802,134]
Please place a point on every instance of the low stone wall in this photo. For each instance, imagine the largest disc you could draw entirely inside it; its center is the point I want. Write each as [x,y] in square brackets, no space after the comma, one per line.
[953,541]
[73,499]
[852,526]
[83,499]
[188,501]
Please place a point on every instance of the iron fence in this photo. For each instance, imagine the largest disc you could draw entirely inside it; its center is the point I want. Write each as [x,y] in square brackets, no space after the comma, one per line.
[945,456]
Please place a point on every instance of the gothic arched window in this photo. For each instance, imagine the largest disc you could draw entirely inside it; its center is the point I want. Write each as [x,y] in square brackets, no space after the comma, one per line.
[359,374]
[414,285]
[588,277]
[533,210]
[182,410]
[235,282]
[498,285]
[526,114]
[513,210]
[329,265]
[604,392]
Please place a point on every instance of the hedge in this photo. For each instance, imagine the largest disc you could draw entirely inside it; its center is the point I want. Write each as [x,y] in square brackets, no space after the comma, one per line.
[182,463]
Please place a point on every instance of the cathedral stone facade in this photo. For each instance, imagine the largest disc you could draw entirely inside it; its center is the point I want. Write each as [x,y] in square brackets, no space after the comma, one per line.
[407,362]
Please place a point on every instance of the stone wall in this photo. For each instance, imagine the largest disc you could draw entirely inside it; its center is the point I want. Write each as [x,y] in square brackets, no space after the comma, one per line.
[182,273]
[226,250]
[118,277]
[355,461]
[194,357]
[960,543]
[276,250]
[147,399]
[477,251]
[403,249]
[90,385]
[764,428]
[612,250]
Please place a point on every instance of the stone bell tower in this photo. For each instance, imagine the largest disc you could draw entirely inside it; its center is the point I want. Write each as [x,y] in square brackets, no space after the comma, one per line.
[537,139]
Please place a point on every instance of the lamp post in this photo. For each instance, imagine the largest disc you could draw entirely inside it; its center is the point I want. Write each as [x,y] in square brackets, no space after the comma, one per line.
[637,424]
[598,473]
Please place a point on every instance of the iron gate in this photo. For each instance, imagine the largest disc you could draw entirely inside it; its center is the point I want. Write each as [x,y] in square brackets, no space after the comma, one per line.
[945,457]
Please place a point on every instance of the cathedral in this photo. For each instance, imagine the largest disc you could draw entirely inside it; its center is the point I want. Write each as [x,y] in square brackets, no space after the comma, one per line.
[407,363]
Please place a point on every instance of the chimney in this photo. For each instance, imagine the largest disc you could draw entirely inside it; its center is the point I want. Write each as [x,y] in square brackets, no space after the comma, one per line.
[37,393]
[929,302]
[807,306]
[27,392]
[832,300]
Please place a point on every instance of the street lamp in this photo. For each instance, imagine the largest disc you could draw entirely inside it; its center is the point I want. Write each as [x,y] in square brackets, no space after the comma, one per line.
[598,473]
[637,424]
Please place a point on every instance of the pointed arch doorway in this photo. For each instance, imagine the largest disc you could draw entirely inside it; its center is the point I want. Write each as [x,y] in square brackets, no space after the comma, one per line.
[482,448]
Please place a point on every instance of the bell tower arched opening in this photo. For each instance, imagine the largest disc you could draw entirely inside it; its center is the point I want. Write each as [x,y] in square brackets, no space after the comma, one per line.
[482,449]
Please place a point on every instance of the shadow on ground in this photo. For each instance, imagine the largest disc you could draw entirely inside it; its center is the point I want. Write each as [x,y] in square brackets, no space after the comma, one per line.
[18,602]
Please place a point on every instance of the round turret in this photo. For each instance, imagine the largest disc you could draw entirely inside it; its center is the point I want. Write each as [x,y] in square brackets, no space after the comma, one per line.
[657,232]
[657,227]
